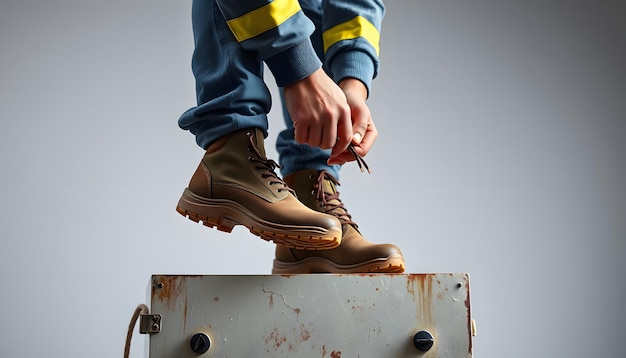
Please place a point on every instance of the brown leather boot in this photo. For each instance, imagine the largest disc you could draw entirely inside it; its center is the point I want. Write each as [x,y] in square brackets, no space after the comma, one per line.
[318,190]
[235,184]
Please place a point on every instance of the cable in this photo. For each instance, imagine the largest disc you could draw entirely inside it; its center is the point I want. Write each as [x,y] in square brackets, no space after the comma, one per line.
[141,309]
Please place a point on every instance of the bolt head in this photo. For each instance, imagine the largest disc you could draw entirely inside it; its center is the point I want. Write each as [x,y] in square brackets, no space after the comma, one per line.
[200,343]
[423,341]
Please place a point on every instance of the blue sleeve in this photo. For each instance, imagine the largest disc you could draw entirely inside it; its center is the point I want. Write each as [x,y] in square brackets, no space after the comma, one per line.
[351,34]
[278,32]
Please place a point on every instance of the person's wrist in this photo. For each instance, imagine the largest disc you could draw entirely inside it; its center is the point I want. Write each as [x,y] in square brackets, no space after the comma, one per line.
[351,85]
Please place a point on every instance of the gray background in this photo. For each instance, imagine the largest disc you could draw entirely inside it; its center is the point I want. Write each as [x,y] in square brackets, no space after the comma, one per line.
[502,128]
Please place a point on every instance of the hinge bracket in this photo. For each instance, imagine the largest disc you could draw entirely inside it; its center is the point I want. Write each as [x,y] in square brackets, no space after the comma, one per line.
[149,323]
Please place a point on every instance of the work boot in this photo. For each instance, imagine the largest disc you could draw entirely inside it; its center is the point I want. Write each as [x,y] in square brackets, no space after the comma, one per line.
[318,190]
[235,184]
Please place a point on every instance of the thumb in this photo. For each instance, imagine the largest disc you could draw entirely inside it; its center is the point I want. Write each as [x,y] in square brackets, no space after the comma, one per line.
[360,119]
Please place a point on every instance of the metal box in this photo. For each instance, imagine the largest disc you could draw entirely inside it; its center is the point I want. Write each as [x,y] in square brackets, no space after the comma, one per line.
[365,316]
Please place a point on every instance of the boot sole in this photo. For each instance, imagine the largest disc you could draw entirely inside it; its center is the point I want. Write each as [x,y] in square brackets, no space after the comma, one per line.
[390,264]
[224,215]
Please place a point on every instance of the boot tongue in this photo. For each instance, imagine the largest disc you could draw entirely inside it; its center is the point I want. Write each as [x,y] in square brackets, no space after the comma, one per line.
[329,187]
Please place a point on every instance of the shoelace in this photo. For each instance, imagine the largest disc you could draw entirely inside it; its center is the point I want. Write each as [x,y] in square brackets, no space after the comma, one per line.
[330,201]
[359,159]
[268,166]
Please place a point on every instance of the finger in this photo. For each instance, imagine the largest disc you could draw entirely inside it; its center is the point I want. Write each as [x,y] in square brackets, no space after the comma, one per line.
[316,135]
[368,140]
[328,135]
[340,159]
[300,133]
[360,118]
[344,133]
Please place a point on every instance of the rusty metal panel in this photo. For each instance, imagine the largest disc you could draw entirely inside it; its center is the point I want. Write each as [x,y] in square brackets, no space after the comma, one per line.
[311,316]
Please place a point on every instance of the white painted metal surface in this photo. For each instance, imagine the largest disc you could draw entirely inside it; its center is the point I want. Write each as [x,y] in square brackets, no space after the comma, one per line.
[354,316]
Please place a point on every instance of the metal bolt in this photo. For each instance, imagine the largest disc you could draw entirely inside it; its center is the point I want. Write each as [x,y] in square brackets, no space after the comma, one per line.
[423,341]
[159,284]
[200,343]
[155,327]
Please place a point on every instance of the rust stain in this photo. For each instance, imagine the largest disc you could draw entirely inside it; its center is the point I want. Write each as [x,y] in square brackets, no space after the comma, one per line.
[361,274]
[168,289]
[275,338]
[216,299]
[410,285]
[335,354]
[469,315]
[305,334]
[278,339]
[420,287]
[324,351]
[271,301]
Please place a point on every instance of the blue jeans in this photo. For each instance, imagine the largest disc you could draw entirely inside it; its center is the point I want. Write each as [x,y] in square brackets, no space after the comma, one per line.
[232,95]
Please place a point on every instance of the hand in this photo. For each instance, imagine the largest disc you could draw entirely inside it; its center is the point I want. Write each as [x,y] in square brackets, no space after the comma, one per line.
[320,112]
[363,128]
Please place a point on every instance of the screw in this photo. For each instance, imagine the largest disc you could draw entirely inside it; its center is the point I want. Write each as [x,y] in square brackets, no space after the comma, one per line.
[423,341]
[200,343]
[159,284]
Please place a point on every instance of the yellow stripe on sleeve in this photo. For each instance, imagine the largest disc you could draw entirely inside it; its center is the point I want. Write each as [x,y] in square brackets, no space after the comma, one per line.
[263,19]
[357,27]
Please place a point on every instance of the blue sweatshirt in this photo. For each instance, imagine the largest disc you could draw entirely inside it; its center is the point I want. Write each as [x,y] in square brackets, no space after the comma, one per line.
[278,32]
